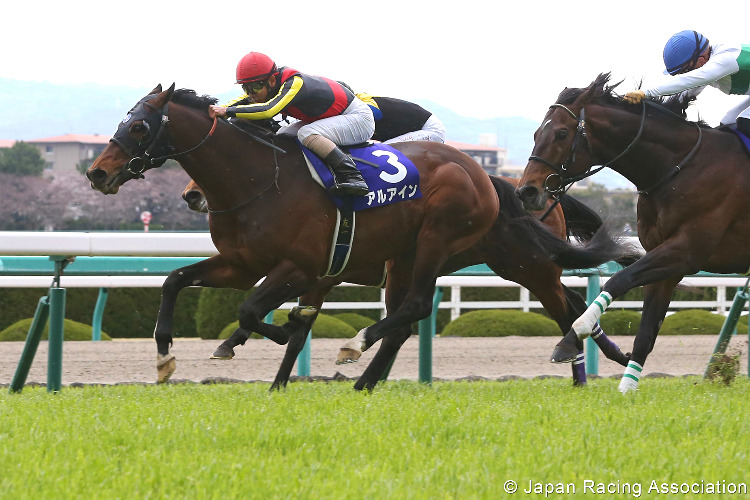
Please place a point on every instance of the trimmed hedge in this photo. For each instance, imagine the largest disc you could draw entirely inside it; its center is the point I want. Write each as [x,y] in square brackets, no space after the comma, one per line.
[501,323]
[72,330]
[620,322]
[217,307]
[129,313]
[325,327]
[356,321]
[696,322]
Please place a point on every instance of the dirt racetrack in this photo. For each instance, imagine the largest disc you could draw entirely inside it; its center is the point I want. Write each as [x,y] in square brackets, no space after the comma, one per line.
[453,358]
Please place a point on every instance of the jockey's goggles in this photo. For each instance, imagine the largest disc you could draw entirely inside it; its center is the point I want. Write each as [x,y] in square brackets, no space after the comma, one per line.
[253,87]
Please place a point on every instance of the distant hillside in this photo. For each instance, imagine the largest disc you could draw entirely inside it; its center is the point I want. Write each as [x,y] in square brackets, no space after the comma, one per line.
[34,110]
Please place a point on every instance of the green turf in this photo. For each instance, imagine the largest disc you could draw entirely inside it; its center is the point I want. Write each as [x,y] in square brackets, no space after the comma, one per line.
[405,440]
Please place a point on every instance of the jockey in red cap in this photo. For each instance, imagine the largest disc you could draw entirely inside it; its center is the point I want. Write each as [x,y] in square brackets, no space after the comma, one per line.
[329,113]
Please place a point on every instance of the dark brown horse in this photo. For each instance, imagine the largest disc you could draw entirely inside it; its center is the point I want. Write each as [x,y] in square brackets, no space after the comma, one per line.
[693,208]
[507,250]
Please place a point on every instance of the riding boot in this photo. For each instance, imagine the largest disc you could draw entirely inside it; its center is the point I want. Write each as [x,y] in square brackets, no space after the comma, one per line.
[347,179]
[743,125]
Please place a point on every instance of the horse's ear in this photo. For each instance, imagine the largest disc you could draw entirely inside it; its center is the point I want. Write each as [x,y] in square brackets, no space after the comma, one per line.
[587,95]
[163,97]
[170,91]
[156,90]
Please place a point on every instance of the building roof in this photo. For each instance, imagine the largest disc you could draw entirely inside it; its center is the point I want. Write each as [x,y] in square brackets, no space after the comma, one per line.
[74,138]
[472,147]
[6,143]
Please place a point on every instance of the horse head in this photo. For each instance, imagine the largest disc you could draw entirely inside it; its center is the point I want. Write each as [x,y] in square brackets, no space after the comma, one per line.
[134,146]
[195,198]
[561,153]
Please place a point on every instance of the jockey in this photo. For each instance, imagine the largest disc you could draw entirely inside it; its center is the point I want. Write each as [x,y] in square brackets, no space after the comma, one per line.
[694,64]
[328,113]
[399,121]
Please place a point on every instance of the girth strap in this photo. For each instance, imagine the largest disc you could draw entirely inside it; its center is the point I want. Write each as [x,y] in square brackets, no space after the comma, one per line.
[342,238]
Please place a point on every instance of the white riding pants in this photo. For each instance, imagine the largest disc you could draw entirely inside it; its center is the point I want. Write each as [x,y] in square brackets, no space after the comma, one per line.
[354,126]
[432,130]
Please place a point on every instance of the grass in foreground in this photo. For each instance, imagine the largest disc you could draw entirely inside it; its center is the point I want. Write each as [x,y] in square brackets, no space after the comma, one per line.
[405,440]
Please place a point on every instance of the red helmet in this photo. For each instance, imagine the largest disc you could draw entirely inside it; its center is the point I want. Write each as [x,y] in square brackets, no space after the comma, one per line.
[255,67]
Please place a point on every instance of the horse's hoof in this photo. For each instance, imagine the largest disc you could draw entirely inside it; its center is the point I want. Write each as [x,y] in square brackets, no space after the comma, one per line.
[165,367]
[627,385]
[223,352]
[303,311]
[563,354]
[348,356]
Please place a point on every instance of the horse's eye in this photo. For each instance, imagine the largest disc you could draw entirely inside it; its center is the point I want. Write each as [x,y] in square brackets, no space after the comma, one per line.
[561,134]
[138,129]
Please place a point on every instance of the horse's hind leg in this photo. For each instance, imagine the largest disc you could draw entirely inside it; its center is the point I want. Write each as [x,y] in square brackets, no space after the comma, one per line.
[416,276]
[212,272]
[395,291]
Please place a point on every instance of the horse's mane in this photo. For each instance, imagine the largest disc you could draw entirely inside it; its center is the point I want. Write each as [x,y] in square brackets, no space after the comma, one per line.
[189,98]
[604,94]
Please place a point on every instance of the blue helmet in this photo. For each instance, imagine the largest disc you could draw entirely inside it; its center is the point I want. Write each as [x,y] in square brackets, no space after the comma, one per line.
[682,51]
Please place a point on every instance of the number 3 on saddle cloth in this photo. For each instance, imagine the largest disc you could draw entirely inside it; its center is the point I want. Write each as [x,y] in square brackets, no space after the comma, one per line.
[394,179]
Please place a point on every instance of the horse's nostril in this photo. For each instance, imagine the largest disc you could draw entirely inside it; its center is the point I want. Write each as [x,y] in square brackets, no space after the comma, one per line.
[97,175]
[526,192]
[192,196]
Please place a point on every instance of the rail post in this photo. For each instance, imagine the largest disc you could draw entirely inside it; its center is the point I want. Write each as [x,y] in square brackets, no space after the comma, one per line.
[56,335]
[96,322]
[32,342]
[730,326]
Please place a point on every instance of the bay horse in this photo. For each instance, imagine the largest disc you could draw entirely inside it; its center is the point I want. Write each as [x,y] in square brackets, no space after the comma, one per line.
[693,208]
[271,220]
[508,251]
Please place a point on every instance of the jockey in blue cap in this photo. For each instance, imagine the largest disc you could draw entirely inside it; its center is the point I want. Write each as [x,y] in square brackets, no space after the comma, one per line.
[693,64]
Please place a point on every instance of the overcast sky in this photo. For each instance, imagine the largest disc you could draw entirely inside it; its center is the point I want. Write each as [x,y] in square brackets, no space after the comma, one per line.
[480,58]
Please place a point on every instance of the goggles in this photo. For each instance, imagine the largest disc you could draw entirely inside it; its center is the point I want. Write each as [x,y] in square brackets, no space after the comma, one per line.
[253,87]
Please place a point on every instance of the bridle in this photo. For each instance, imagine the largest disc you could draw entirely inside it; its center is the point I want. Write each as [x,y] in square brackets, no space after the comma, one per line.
[564,182]
[561,177]
[153,149]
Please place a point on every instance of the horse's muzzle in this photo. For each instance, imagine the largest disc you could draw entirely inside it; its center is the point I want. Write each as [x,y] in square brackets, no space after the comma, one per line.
[531,197]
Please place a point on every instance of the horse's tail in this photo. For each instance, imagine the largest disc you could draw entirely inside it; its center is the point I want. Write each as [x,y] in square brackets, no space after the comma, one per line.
[603,246]
[581,222]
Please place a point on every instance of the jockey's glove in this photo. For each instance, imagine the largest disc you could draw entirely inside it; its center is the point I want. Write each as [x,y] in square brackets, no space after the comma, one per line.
[635,96]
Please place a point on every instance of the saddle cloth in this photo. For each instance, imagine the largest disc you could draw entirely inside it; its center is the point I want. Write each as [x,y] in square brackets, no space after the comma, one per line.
[395,179]
[743,138]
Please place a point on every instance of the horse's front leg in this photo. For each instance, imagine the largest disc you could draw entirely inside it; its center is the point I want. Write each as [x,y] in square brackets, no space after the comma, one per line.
[212,272]
[656,298]
[301,320]
[665,262]
[285,282]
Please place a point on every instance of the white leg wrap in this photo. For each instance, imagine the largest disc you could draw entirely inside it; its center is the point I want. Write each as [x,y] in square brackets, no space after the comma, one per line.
[357,343]
[584,325]
[630,378]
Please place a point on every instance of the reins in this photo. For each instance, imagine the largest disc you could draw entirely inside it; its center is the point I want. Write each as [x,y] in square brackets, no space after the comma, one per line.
[679,166]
